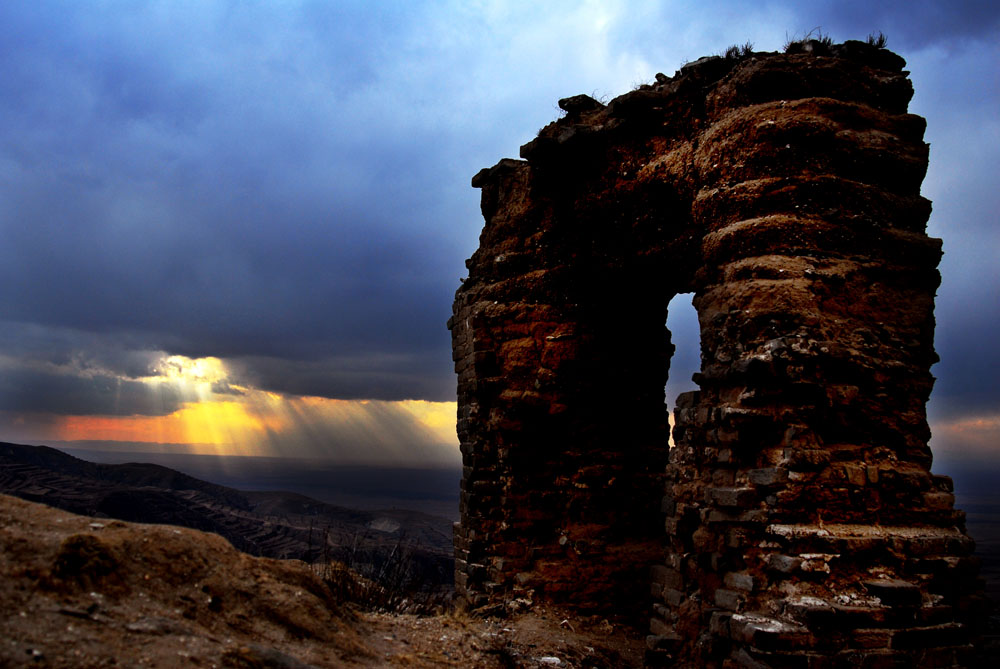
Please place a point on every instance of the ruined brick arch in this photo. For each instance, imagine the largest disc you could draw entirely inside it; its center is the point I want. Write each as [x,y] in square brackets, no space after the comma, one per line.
[797,514]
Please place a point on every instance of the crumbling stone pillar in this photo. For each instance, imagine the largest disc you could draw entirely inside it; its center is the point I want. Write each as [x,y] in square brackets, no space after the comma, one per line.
[802,519]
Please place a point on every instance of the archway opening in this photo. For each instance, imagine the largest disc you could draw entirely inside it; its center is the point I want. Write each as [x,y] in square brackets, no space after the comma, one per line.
[685,335]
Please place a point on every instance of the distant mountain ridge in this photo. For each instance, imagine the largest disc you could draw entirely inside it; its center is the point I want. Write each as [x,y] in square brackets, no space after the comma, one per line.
[269,524]
[133,474]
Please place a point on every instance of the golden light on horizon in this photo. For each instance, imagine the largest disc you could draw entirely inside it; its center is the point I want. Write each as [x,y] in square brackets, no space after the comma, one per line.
[971,434]
[217,423]
[438,416]
[213,415]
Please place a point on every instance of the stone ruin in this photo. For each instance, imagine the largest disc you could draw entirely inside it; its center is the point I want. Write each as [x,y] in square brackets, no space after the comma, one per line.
[796,520]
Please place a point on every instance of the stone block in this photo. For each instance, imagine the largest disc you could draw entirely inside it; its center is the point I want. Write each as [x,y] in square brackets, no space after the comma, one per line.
[737,537]
[855,475]
[817,563]
[799,437]
[739,581]
[754,517]
[769,634]
[825,617]
[659,627]
[723,477]
[807,459]
[718,623]
[673,597]
[524,578]
[741,658]
[729,599]
[783,564]
[935,615]
[932,543]
[854,617]
[493,588]
[668,505]
[579,104]
[667,577]
[939,501]
[943,483]
[930,637]
[870,639]
[725,437]
[769,476]
[894,592]
[663,612]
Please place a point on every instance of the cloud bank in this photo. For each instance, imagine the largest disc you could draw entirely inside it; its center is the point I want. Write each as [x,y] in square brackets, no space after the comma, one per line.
[286,187]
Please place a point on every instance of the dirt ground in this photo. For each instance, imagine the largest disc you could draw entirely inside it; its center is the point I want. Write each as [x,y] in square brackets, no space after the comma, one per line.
[82,592]
[541,638]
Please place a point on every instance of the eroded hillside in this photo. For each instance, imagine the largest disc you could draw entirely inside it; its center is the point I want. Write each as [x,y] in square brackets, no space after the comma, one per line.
[77,591]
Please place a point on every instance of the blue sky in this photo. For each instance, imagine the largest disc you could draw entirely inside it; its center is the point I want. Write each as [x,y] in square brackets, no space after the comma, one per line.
[283,188]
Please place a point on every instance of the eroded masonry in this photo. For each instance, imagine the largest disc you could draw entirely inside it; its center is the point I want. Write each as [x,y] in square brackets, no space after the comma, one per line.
[797,515]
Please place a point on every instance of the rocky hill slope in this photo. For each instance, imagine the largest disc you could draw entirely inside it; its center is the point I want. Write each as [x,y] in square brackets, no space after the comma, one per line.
[82,592]
[77,591]
[268,524]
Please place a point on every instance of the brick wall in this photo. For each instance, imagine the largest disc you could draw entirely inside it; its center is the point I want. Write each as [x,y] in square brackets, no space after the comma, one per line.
[796,518]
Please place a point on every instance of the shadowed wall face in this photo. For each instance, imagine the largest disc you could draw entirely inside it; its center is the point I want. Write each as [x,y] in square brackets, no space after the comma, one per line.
[784,191]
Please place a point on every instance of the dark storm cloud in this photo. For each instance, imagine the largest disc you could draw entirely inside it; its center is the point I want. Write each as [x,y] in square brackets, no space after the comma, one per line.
[71,372]
[220,182]
[970,361]
[77,352]
[286,186]
[384,377]
[29,391]
[958,90]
